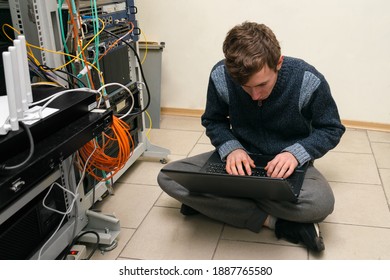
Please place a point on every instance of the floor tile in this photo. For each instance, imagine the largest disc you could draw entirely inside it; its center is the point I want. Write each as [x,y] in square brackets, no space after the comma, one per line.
[181,123]
[178,142]
[382,154]
[360,204]
[238,250]
[349,168]
[385,176]
[350,242]
[130,203]
[204,139]
[201,148]
[166,234]
[167,201]
[354,141]
[379,136]
[142,172]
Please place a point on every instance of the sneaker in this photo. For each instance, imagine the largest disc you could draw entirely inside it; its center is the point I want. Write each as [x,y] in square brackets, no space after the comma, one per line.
[187,210]
[307,233]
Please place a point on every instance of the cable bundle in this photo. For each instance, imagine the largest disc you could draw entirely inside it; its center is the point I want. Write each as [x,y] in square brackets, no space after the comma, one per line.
[105,163]
[110,164]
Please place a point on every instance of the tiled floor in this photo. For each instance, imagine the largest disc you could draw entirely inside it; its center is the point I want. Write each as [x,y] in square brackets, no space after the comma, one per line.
[152,228]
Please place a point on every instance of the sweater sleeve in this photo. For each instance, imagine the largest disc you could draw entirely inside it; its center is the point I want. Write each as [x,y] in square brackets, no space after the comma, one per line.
[318,105]
[216,116]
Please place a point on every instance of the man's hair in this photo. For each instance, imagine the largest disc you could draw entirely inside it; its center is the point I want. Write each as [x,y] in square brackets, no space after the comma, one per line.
[247,48]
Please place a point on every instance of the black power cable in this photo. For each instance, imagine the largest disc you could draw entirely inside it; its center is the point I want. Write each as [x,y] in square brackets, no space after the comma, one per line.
[140,66]
[75,240]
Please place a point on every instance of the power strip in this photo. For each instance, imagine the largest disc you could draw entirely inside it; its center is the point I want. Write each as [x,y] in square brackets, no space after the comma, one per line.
[77,252]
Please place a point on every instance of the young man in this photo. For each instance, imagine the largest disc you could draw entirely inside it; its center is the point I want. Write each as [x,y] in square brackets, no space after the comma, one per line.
[259,101]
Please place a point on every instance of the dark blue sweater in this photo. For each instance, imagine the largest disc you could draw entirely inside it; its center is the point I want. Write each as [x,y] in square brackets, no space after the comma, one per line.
[300,115]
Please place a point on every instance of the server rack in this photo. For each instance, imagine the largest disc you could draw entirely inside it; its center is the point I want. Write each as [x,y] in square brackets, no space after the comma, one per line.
[39,21]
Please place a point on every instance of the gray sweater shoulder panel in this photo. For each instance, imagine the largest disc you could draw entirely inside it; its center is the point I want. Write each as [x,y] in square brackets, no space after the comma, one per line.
[310,83]
[219,78]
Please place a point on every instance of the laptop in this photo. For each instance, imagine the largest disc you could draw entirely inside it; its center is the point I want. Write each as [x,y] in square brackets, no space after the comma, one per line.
[213,179]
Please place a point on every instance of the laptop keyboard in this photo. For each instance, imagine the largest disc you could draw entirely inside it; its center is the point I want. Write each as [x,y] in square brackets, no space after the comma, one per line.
[219,168]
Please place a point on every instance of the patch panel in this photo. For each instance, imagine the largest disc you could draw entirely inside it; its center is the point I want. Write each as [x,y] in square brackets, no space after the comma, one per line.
[116,18]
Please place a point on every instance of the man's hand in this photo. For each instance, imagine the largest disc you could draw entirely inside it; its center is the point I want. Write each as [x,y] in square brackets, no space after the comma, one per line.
[281,166]
[238,162]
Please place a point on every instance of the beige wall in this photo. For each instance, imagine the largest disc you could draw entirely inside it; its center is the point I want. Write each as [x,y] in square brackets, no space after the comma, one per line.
[348,41]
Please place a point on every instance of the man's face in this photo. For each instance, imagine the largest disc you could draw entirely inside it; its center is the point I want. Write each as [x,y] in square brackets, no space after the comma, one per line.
[260,84]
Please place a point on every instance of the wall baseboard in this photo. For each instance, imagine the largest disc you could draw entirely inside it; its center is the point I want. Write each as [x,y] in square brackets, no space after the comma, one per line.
[347,123]
[366,125]
[182,112]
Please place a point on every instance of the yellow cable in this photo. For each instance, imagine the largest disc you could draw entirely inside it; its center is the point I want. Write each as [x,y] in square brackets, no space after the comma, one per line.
[45,84]
[126,146]
[146,47]
[150,124]
[18,32]
[75,57]
[118,40]
[58,52]
[83,49]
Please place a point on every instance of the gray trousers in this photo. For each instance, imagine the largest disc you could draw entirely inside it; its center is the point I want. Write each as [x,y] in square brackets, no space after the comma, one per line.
[315,202]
